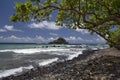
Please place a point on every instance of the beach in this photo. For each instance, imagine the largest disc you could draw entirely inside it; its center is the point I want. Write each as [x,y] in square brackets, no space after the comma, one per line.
[91,65]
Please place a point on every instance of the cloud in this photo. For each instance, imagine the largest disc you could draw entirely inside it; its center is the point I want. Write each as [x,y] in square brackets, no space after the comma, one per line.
[53,34]
[44,24]
[7,27]
[73,39]
[100,39]
[10,28]
[13,38]
[83,31]
[40,39]
[2,30]
[1,37]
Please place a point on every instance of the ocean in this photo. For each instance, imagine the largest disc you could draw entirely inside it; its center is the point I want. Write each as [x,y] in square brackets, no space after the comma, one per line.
[15,58]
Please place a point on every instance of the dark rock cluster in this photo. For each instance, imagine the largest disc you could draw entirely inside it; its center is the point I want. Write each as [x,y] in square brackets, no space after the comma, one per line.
[103,68]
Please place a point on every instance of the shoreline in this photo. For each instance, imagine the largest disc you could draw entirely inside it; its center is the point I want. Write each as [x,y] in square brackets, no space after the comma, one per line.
[70,69]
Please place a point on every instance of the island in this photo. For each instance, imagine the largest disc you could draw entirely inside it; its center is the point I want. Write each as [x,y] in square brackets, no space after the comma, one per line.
[60,40]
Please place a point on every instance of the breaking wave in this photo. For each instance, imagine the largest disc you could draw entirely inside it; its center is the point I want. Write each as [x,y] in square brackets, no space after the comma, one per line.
[48,61]
[13,71]
[33,50]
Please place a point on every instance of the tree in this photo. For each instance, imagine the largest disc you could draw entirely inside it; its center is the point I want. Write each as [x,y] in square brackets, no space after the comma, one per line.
[97,16]
[115,36]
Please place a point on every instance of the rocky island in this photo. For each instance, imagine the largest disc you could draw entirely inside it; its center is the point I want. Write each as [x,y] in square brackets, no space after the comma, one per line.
[59,41]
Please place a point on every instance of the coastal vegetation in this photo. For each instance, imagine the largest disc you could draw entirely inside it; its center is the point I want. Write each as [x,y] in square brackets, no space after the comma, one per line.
[97,16]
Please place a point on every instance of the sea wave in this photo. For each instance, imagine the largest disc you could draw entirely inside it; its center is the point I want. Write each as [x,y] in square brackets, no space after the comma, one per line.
[70,57]
[13,71]
[48,61]
[33,50]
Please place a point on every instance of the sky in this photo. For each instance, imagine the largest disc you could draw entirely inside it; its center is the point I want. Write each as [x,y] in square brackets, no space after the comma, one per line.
[38,32]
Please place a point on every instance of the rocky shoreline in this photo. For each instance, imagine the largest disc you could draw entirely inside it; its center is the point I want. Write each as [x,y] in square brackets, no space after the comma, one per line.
[91,65]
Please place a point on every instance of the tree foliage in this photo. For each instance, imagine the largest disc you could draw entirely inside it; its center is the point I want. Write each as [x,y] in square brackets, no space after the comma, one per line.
[98,16]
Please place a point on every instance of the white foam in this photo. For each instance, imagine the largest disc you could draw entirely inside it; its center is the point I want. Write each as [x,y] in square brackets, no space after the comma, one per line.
[48,61]
[33,50]
[21,69]
[13,71]
[74,55]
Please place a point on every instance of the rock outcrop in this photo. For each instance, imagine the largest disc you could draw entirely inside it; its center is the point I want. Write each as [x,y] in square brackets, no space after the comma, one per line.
[59,41]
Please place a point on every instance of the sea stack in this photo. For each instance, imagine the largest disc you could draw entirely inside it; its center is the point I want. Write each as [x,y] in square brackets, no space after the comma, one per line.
[59,41]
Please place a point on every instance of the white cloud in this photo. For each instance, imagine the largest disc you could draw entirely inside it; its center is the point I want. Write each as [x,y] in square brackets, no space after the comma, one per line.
[10,28]
[7,27]
[1,37]
[14,38]
[73,39]
[100,39]
[80,39]
[82,31]
[53,34]
[44,24]
[40,39]
[2,30]
[52,38]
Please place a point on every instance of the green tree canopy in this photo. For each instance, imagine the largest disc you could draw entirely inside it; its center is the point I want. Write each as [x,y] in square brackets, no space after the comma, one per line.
[97,16]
